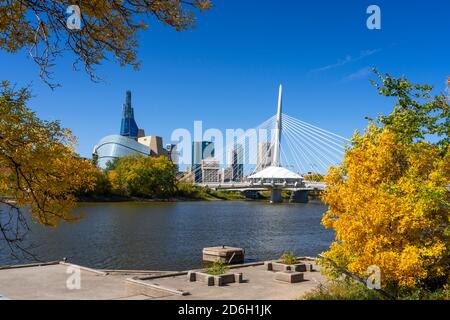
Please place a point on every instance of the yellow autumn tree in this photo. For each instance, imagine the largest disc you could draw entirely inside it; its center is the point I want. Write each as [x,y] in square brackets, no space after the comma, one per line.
[39,168]
[388,202]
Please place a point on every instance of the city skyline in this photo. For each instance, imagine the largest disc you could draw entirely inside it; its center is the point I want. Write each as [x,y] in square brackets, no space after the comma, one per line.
[225,72]
[225,150]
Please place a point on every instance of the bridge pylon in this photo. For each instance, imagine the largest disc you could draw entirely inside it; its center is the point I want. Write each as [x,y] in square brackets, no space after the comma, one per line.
[275,195]
[276,177]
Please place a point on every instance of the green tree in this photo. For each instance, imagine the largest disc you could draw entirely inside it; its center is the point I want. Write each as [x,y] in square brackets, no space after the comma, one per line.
[142,176]
[417,114]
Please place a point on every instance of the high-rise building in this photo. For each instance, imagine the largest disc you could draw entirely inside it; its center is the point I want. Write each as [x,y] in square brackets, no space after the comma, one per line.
[128,127]
[210,169]
[236,162]
[265,155]
[200,150]
[227,174]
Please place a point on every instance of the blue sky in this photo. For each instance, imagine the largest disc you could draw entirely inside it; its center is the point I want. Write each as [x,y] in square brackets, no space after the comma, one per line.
[226,72]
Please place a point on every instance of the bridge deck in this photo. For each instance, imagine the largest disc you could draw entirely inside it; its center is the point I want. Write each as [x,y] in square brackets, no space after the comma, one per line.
[242,186]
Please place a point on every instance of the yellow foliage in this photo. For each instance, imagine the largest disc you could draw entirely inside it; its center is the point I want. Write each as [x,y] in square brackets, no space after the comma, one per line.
[314,177]
[38,165]
[109,28]
[389,206]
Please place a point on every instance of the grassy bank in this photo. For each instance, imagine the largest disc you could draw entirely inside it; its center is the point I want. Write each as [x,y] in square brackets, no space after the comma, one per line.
[183,192]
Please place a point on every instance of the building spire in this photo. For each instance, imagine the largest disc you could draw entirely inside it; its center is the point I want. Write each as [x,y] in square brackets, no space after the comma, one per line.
[129,127]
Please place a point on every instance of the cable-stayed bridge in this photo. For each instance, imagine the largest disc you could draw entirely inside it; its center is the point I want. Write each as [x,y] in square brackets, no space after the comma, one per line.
[276,155]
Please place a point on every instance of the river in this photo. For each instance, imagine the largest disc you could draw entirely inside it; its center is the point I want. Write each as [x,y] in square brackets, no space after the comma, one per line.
[170,236]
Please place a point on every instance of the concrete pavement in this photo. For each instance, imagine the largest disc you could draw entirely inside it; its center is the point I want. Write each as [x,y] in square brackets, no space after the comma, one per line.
[59,281]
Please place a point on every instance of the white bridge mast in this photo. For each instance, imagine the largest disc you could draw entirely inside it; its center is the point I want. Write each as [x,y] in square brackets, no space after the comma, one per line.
[276,150]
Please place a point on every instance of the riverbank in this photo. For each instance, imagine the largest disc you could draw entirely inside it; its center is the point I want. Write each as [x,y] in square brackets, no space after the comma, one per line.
[199,194]
[216,196]
[184,193]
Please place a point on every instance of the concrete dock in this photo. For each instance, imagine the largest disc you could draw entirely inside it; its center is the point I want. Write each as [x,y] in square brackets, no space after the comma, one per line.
[224,254]
[54,281]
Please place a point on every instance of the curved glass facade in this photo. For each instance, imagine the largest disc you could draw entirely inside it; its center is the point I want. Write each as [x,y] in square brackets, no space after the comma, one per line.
[115,146]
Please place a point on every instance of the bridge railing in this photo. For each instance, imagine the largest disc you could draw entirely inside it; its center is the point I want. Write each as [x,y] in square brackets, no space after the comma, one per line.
[267,185]
[315,184]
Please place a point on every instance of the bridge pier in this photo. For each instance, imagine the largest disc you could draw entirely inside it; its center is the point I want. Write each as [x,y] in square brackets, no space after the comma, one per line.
[275,196]
[299,196]
[251,194]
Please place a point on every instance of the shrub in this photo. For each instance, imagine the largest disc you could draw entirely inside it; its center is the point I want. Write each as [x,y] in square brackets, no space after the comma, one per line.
[191,191]
[342,290]
[217,269]
[288,258]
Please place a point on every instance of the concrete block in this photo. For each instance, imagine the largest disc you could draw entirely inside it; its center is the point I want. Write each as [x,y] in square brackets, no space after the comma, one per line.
[238,277]
[192,276]
[218,281]
[289,277]
[268,265]
[204,277]
[224,254]
[278,266]
[210,281]
[310,267]
[224,279]
[301,267]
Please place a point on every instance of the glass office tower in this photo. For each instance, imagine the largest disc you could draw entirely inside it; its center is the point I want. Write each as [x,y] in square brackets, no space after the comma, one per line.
[200,150]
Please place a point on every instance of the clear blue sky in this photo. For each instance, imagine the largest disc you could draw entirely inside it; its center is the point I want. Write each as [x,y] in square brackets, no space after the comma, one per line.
[226,71]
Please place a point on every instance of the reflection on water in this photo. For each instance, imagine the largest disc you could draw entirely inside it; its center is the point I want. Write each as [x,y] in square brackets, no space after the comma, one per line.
[171,236]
